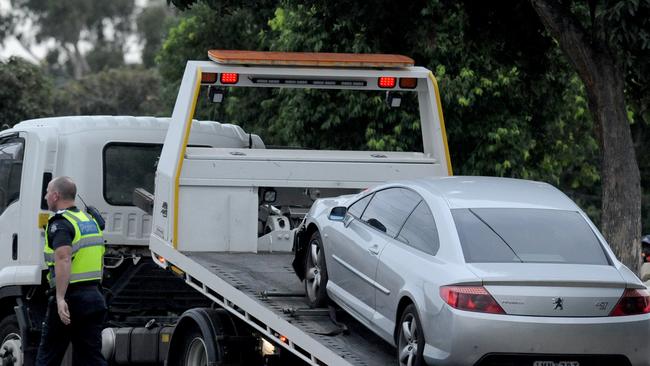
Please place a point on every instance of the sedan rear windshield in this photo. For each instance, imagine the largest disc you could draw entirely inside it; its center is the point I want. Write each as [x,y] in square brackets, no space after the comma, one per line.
[527,235]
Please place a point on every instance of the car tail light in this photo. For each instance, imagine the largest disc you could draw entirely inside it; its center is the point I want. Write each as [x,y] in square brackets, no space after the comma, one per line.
[229,78]
[633,302]
[387,82]
[470,298]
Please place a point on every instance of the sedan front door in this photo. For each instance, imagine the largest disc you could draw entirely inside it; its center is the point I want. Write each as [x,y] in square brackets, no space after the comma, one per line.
[359,244]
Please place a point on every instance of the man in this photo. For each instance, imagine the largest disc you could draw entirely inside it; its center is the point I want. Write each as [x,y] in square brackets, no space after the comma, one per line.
[74,250]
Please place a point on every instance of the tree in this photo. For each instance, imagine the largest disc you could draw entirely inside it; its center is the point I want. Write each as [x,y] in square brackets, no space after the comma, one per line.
[153,23]
[25,92]
[126,91]
[74,24]
[511,103]
[596,49]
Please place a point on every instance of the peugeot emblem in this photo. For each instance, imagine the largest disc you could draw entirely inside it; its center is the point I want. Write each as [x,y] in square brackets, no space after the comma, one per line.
[559,303]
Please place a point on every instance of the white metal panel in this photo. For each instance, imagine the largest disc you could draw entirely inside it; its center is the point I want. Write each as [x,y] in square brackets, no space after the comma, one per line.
[218,219]
[322,174]
[307,155]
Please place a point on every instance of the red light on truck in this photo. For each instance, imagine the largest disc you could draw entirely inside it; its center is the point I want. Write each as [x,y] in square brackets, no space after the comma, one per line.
[408,83]
[229,78]
[208,78]
[387,82]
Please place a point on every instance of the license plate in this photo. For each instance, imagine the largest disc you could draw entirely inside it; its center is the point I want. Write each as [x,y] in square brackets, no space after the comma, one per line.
[559,363]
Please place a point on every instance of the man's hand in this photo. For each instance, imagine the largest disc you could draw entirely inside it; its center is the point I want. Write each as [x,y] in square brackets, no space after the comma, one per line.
[62,308]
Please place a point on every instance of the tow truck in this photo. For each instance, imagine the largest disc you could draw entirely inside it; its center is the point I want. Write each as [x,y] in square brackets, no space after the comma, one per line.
[199,259]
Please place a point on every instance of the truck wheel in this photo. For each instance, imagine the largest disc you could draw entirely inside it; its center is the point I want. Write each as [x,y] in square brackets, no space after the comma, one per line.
[11,352]
[196,352]
[211,337]
[316,272]
[410,339]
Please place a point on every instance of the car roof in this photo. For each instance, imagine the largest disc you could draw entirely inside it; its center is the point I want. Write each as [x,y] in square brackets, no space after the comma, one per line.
[493,192]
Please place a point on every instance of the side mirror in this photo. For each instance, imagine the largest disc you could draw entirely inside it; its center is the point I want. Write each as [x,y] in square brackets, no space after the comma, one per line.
[269,195]
[338,213]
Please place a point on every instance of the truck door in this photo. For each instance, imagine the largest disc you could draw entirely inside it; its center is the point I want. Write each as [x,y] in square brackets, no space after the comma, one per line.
[12,149]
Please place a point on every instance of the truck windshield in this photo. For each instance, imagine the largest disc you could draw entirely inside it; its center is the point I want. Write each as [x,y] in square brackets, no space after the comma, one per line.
[527,235]
[320,118]
[11,167]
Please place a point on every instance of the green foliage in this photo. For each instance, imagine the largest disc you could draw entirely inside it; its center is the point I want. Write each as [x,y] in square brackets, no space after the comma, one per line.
[25,92]
[127,91]
[152,24]
[200,30]
[72,21]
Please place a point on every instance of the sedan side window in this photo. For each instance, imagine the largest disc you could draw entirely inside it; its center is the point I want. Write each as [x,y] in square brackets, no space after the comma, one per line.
[420,230]
[389,208]
[358,207]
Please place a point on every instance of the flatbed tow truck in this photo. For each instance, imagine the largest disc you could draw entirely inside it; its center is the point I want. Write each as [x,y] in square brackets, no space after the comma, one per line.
[250,277]
[208,250]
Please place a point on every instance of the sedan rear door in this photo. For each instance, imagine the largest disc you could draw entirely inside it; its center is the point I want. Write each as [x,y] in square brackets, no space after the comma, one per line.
[358,245]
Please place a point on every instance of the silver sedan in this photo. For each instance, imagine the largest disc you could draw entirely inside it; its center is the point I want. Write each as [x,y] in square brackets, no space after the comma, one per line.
[476,271]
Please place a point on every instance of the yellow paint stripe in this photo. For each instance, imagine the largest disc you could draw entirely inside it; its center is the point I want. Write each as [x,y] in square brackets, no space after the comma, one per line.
[442,122]
[181,158]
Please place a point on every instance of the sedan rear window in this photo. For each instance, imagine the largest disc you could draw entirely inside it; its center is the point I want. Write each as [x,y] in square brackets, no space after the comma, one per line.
[527,235]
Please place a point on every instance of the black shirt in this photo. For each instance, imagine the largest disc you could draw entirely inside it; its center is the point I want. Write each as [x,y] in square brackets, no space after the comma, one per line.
[60,231]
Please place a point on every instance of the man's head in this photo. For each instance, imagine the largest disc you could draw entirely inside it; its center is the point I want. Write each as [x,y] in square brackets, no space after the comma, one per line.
[61,192]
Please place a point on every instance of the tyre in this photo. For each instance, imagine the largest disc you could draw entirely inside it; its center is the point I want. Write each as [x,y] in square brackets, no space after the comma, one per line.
[410,338]
[10,342]
[315,272]
[212,337]
[195,350]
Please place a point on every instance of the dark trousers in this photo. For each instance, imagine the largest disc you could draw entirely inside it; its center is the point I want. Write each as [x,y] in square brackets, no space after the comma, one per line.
[87,311]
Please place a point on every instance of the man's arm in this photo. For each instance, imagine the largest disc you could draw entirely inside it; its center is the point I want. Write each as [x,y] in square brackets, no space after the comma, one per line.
[62,261]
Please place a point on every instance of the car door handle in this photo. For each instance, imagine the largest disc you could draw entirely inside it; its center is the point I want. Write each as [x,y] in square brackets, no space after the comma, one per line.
[374,250]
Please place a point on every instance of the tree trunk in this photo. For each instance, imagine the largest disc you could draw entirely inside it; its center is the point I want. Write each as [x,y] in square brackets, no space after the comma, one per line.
[604,83]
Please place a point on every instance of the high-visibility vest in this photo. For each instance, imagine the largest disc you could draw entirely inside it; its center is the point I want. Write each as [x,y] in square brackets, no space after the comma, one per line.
[87,248]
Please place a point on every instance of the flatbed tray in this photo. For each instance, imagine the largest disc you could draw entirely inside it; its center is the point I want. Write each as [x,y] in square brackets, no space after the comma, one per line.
[269,279]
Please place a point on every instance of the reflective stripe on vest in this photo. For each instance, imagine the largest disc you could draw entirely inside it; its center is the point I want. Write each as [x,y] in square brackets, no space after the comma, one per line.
[87,249]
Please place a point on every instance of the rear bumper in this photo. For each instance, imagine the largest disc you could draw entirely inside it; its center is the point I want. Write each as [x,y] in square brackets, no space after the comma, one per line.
[464,338]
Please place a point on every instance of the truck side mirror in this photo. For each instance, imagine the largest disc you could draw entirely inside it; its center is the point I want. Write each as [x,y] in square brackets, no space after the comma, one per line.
[338,213]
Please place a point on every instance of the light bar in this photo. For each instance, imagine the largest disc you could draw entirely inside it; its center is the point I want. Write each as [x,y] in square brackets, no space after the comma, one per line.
[319,82]
[231,57]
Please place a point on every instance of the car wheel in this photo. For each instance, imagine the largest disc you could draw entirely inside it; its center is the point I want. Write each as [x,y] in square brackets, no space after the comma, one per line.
[315,272]
[410,344]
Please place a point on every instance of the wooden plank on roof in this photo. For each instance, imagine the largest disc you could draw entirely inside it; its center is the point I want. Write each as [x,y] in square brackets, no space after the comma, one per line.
[233,57]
